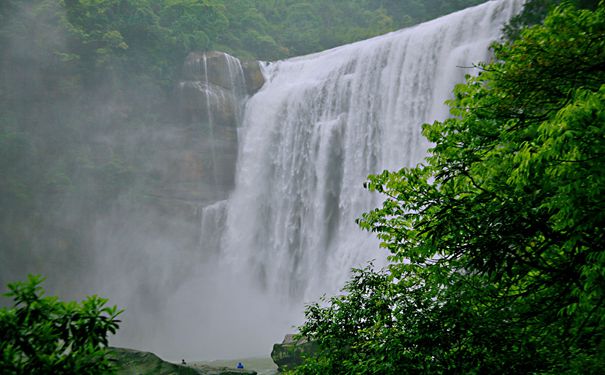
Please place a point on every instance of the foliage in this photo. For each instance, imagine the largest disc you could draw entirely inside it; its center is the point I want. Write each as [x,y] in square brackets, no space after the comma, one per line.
[96,35]
[498,238]
[302,27]
[42,335]
[414,325]
[534,12]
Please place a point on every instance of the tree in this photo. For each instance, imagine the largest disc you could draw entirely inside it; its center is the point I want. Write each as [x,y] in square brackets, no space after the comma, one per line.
[534,12]
[499,235]
[42,335]
[413,325]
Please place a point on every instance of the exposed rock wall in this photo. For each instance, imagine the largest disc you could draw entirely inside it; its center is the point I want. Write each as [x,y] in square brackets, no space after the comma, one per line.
[210,101]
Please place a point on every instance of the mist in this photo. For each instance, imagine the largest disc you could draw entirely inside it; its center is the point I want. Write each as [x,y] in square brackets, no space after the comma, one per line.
[121,172]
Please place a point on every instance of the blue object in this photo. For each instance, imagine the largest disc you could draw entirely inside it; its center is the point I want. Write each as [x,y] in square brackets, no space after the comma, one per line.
[240,365]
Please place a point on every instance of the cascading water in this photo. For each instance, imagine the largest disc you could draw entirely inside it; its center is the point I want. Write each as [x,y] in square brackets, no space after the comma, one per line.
[322,124]
[307,141]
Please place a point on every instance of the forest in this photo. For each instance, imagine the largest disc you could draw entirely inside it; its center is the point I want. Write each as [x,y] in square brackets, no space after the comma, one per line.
[495,241]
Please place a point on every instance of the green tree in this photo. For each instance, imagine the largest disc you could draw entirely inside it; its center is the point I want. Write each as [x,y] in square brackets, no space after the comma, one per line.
[422,322]
[534,12]
[194,24]
[42,335]
[501,231]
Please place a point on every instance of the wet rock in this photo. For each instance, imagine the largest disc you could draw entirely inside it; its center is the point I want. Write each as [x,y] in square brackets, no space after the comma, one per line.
[201,102]
[291,352]
[221,69]
[129,361]
[214,67]
[253,76]
[210,101]
[191,162]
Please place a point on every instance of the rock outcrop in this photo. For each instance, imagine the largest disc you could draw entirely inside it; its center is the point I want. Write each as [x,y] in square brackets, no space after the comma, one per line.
[291,352]
[214,86]
[210,101]
[129,362]
[253,75]
[192,161]
[221,69]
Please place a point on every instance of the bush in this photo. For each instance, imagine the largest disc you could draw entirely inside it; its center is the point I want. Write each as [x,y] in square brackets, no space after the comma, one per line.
[42,335]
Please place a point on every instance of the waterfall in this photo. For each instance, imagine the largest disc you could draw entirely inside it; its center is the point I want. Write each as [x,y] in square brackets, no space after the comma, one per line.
[321,124]
[280,230]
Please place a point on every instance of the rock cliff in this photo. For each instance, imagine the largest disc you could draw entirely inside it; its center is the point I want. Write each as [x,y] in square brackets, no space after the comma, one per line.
[210,100]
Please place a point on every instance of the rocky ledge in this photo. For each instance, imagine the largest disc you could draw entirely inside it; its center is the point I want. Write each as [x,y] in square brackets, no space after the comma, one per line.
[291,352]
[129,361]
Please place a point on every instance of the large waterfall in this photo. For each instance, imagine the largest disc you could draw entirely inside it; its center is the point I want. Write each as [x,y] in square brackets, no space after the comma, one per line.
[320,125]
[305,145]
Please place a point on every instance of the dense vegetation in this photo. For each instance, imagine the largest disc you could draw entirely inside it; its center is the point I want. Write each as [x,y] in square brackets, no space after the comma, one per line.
[42,335]
[534,12]
[82,83]
[497,240]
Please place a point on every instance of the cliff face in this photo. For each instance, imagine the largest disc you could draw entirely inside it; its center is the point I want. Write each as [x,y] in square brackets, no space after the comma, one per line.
[203,148]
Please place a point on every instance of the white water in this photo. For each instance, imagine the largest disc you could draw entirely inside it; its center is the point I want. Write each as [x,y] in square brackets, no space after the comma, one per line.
[308,140]
[320,126]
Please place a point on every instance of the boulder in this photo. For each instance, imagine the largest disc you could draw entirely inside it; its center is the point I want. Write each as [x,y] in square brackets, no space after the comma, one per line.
[129,362]
[253,75]
[213,67]
[221,69]
[291,352]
